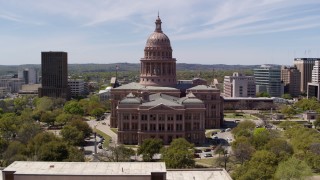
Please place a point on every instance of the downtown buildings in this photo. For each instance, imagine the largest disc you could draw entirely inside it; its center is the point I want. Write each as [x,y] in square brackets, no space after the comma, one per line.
[54,67]
[291,78]
[158,106]
[239,85]
[268,79]
[305,66]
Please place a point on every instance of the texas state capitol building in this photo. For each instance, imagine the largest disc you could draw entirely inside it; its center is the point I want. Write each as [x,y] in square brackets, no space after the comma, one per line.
[159,106]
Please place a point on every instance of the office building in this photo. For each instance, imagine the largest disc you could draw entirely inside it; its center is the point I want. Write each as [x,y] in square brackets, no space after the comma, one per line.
[77,87]
[305,66]
[291,78]
[13,85]
[268,79]
[313,89]
[158,106]
[54,67]
[239,85]
[29,75]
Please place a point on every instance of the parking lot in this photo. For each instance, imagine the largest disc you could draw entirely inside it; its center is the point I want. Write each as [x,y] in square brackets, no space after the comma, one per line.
[222,138]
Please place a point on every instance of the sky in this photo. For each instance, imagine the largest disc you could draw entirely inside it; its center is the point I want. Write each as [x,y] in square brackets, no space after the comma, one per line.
[247,32]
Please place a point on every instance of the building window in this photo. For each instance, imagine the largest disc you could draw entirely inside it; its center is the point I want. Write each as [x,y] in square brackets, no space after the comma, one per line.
[178,127]
[134,126]
[134,117]
[125,116]
[179,117]
[196,126]
[125,126]
[188,116]
[196,116]
[161,127]
[144,117]
[170,127]
[144,127]
[170,117]
[153,117]
[161,117]
[188,126]
[153,127]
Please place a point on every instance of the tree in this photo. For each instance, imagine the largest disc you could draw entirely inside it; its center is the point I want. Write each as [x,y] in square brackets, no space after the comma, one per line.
[53,151]
[293,169]
[44,104]
[261,136]
[262,165]
[47,117]
[179,154]
[97,112]
[280,147]
[149,148]
[243,150]
[119,154]
[81,126]
[316,123]
[9,124]
[244,128]
[288,110]
[63,118]
[286,96]
[262,94]
[73,107]
[72,135]
[15,152]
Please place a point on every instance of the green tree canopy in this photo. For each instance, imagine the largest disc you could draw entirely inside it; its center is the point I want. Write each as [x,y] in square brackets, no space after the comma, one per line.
[73,107]
[119,154]
[149,148]
[179,154]
[72,135]
[293,169]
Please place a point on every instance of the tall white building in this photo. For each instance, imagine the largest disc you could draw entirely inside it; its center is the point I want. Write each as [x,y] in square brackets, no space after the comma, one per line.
[239,85]
[314,86]
[30,76]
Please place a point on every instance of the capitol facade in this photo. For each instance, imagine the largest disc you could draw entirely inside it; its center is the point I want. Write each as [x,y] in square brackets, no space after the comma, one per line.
[160,106]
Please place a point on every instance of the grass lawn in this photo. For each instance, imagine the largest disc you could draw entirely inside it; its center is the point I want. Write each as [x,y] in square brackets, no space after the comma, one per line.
[239,116]
[209,132]
[105,136]
[207,161]
[115,130]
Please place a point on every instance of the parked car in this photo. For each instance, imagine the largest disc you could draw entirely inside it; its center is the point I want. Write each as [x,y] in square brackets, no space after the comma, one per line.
[198,151]
[228,129]
[208,155]
[207,150]
[213,147]
[213,133]
[222,130]
[195,155]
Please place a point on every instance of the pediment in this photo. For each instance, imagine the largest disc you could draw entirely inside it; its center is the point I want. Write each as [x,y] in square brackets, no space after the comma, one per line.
[161,107]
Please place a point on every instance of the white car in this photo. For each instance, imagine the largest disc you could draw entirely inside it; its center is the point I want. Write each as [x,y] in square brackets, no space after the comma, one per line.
[214,137]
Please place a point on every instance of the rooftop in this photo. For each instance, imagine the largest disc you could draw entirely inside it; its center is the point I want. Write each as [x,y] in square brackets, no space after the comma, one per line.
[86,168]
[198,174]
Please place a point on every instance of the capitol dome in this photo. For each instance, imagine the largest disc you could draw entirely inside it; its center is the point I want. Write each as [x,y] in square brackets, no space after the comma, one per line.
[158,68]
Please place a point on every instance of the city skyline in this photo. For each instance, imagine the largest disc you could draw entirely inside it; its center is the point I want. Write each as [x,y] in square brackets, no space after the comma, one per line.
[210,32]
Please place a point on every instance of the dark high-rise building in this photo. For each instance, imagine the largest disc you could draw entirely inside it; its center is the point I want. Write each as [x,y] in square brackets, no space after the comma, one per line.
[54,67]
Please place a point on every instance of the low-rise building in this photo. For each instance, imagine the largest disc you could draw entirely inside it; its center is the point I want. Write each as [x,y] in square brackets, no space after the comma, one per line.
[239,85]
[35,170]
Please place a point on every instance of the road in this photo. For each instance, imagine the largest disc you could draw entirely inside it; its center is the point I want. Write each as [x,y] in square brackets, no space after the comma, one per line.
[104,126]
